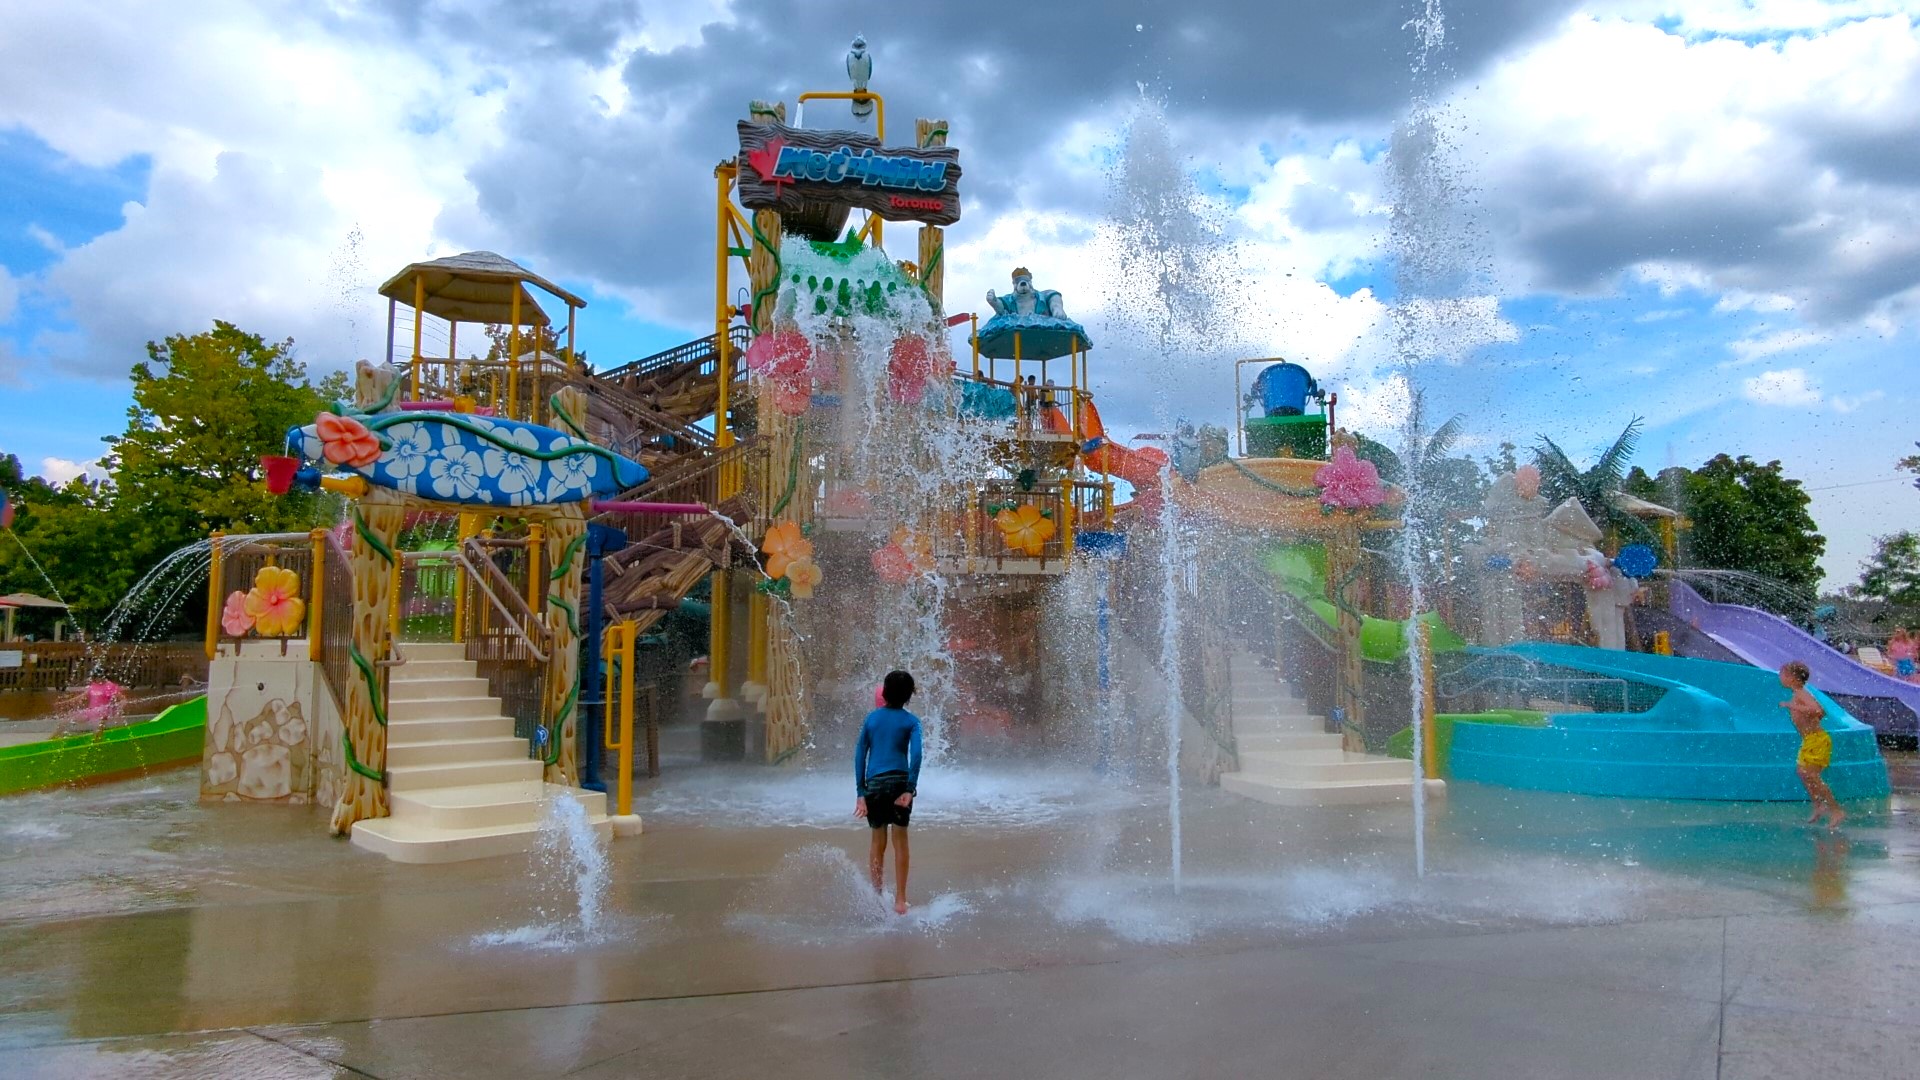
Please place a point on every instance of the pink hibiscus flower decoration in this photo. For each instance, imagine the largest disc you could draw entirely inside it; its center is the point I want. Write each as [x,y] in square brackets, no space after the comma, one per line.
[1349,483]
[909,366]
[893,565]
[346,441]
[234,618]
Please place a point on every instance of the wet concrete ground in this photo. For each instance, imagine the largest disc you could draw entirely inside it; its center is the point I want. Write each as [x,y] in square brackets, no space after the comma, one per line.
[144,934]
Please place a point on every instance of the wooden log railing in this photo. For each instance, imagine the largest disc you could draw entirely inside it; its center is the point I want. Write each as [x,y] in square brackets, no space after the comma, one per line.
[68,665]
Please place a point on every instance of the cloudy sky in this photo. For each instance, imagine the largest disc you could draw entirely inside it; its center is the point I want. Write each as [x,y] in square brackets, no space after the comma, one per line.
[1705,213]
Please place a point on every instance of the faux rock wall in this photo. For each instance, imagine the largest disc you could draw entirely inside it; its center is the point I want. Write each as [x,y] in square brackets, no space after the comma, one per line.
[261,731]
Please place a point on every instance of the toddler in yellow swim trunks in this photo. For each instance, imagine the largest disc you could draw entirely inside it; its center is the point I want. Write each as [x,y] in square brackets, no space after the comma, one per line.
[1816,746]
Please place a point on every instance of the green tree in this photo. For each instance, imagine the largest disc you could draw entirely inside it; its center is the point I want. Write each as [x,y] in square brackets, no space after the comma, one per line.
[1596,485]
[1892,575]
[205,408]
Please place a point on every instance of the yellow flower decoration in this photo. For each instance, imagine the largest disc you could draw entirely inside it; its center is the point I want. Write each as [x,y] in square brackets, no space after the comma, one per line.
[802,575]
[783,546]
[1025,529]
[274,602]
[918,548]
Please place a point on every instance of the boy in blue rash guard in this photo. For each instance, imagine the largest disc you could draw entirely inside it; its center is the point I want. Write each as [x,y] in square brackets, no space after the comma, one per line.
[886,771]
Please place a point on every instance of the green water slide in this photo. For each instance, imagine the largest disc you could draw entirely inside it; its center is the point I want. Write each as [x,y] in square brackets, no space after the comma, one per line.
[173,737]
[1302,571]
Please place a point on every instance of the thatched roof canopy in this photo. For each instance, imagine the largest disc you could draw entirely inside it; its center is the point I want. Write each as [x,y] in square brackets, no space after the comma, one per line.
[476,287]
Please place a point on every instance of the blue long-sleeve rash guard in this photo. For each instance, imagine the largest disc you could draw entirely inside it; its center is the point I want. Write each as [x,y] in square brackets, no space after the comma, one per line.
[889,742]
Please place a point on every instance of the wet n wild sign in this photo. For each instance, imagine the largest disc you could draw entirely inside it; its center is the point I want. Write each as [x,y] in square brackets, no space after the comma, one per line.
[784,169]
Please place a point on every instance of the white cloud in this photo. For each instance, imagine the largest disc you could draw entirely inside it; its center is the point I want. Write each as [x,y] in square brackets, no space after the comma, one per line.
[9,294]
[1749,349]
[1788,388]
[1849,404]
[57,471]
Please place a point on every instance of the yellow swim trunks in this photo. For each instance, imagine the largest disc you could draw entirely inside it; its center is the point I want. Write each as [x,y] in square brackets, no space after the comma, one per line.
[1816,750]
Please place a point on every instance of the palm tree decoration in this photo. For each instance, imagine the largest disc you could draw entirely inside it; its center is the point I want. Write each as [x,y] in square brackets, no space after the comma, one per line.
[1598,486]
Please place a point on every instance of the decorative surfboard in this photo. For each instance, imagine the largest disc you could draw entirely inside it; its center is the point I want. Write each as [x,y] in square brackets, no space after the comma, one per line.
[464,458]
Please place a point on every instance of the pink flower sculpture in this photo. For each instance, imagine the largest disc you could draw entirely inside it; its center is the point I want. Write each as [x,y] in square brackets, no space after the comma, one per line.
[893,565]
[346,441]
[1599,578]
[909,366]
[233,617]
[1348,483]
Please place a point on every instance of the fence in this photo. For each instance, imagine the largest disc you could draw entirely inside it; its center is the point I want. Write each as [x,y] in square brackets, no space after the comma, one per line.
[68,665]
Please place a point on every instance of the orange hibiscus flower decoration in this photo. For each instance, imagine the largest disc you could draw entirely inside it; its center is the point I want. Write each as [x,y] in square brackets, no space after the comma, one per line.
[274,602]
[1025,528]
[784,546]
[918,548]
[346,441]
[802,575]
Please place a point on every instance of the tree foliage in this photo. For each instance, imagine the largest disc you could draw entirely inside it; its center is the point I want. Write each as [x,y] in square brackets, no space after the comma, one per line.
[1892,575]
[1596,485]
[205,408]
[1742,515]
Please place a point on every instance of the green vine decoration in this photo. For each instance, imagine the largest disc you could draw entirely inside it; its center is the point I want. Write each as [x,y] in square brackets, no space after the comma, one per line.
[353,761]
[932,134]
[458,420]
[559,722]
[373,540]
[566,418]
[573,617]
[773,284]
[566,558]
[1296,493]
[793,469]
[372,679]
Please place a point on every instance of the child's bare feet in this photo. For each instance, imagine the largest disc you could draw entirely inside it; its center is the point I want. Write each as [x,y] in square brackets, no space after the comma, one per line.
[1835,818]
[1815,816]
[900,905]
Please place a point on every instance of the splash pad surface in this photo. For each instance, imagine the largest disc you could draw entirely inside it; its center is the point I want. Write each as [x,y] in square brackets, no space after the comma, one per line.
[1037,894]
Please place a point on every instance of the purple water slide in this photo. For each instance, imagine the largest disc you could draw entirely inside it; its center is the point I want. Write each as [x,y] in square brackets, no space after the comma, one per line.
[1766,640]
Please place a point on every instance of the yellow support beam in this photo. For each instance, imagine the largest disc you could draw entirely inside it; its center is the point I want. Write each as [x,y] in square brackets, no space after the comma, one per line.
[214,584]
[619,640]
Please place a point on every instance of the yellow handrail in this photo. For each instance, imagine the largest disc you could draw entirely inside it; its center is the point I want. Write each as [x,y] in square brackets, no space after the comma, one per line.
[618,644]
[213,597]
[316,591]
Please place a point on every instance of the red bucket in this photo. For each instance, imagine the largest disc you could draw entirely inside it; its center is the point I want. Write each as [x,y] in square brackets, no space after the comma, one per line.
[280,469]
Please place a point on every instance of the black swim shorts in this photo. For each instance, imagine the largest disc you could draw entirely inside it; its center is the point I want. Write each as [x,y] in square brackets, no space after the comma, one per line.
[882,793]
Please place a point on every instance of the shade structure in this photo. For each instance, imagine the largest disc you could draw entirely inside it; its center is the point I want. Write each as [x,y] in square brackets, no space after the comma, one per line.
[476,286]
[23,599]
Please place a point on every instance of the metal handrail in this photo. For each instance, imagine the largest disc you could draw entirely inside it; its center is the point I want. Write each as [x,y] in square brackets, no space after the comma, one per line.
[700,348]
[472,557]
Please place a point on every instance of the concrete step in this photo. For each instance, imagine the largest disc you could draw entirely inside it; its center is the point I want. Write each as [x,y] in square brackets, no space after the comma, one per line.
[434,669]
[481,806]
[455,751]
[432,650]
[432,689]
[1321,753]
[1305,725]
[1324,792]
[418,842]
[1297,740]
[461,774]
[1290,766]
[444,709]
[470,727]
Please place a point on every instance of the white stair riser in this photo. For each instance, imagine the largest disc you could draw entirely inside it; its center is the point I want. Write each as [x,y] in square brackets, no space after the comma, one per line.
[435,689]
[449,751]
[520,811]
[417,777]
[444,709]
[1312,740]
[1282,793]
[436,669]
[454,849]
[1282,769]
[1249,756]
[475,727]
[432,650]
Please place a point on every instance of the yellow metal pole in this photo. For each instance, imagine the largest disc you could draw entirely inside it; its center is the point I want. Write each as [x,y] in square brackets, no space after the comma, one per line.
[571,311]
[419,301]
[619,651]
[976,344]
[316,591]
[723,363]
[536,536]
[720,623]
[513,354]
[214,598]
[469,527]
